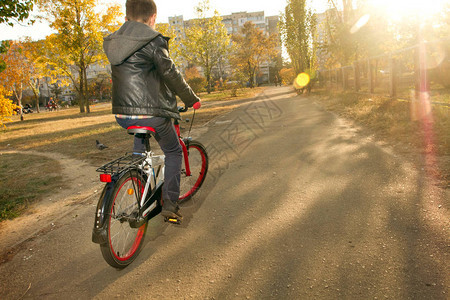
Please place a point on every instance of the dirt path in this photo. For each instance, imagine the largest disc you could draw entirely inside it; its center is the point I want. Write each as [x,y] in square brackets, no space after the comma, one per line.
[42,216]
[298,204]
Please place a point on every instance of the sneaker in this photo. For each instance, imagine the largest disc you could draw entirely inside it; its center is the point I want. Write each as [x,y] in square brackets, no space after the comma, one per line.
[170,211]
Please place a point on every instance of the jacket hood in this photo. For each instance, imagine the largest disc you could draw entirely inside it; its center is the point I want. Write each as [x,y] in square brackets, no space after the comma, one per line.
[131,37]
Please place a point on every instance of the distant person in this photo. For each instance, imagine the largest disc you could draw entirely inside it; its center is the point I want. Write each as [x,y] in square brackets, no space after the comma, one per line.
[276,80]
[145,82]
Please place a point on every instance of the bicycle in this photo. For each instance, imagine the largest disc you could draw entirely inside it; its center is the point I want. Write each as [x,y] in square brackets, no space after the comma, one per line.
[133,194]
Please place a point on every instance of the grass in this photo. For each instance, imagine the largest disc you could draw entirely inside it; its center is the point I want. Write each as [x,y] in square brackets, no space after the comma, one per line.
[397,122]
[227,95]
[23,180]
[73,134]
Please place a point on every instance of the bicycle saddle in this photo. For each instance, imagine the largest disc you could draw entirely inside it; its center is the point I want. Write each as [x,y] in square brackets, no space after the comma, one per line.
[141,129]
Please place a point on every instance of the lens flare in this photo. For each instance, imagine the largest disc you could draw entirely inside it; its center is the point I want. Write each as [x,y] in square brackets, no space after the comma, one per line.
[421,111]
[301,81]
[361,22]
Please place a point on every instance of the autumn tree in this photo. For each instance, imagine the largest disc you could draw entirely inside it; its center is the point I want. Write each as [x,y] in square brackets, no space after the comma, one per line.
[40,70]
[357,29]
[15,10]
[26,53]
[251,48]
[175,46]
[17,73]
[32,51]
[345,35]
[296,28]
[79,39]
[206,41]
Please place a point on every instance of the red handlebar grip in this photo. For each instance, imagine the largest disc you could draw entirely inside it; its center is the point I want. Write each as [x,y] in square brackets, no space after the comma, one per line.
[197,105]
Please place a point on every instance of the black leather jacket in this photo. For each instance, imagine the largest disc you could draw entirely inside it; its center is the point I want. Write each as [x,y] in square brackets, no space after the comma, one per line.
[145,79]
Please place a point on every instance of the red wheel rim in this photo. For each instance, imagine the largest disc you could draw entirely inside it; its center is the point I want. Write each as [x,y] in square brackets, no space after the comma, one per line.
[139,234]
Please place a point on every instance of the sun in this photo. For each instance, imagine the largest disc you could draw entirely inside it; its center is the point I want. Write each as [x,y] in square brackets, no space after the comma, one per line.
[398,9]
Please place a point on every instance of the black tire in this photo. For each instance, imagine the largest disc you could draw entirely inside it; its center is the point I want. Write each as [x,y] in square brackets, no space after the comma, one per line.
[198,163]
[124,242]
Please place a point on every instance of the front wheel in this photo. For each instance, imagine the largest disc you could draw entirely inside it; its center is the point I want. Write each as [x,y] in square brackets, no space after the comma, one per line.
[124,242]
[196,161]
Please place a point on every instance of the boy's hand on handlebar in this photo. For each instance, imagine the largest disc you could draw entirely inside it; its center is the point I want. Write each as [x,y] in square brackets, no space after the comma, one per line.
[182,109]
[197,105]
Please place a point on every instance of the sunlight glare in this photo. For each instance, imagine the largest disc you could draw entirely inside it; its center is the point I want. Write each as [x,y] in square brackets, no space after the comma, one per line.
[399,8]
[361,22]
[301,81]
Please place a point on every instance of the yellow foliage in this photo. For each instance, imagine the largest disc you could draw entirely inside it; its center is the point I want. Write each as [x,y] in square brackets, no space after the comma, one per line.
[6,107]
[191,73]
[287,76]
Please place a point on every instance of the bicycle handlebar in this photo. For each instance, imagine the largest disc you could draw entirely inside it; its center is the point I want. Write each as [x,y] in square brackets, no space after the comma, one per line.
[182,109]
[196,106]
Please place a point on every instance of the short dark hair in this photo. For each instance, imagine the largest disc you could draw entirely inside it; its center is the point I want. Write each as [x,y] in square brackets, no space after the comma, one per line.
[140,10]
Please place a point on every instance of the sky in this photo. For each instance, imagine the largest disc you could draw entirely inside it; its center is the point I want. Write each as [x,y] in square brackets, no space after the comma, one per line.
[166,9]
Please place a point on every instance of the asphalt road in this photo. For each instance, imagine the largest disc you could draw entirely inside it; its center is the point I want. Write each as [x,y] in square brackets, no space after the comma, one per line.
[298,204]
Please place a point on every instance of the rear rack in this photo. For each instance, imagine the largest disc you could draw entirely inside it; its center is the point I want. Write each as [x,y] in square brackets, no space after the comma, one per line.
[122,163]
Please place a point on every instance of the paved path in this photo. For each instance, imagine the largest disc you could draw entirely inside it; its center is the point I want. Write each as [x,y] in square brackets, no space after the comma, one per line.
[298,204]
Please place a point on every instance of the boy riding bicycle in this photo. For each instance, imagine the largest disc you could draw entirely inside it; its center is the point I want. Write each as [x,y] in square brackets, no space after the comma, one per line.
[145,82]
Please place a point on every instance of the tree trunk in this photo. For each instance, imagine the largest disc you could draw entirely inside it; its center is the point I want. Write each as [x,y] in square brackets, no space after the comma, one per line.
[250,74]
[36,98]
[35,90]
[81,91]
[86,91]
[19,100]
[208,78]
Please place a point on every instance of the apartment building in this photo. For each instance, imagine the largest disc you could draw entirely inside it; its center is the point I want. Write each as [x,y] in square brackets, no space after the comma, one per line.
[234,22]
[177,23]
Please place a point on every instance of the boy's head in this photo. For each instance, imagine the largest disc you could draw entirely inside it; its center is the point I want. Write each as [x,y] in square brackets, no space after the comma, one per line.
[143,11]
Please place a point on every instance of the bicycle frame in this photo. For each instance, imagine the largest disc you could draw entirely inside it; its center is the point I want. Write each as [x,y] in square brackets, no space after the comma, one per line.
[184,146]
[148,206]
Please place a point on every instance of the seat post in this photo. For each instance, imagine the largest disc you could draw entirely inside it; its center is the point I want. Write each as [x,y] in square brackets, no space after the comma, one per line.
[145,137]
[147,142]
[143,132]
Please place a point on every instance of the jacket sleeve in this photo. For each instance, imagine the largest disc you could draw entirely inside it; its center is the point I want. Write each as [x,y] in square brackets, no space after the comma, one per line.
[170,74]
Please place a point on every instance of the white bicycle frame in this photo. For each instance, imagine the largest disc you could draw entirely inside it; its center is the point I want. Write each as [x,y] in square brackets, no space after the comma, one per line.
[148,166]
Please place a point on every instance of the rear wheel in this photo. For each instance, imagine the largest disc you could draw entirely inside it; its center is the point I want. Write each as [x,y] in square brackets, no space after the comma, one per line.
[197,162]
[124,242]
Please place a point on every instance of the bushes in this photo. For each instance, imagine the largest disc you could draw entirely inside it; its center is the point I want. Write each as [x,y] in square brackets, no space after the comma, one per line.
[195,80]
[197,84]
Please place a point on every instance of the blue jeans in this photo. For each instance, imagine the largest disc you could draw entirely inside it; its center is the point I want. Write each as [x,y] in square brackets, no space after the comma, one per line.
[167,139]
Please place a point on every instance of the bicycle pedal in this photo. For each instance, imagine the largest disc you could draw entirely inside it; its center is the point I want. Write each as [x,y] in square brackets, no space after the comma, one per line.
[172,220]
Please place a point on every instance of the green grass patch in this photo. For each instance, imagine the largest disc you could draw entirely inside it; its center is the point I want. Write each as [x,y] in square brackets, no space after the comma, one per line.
[25,179]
